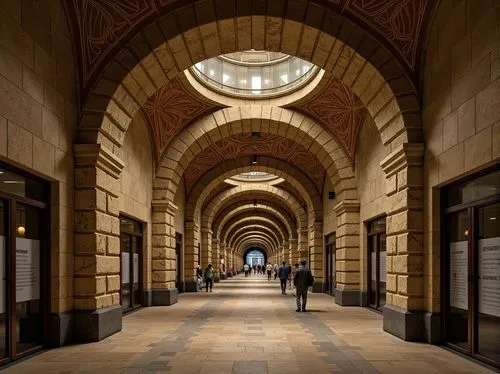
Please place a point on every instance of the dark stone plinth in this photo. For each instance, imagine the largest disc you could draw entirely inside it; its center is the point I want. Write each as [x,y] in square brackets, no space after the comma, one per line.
[95,325]
[404,324]
[60,329]
[347,297]
[318,287]
[165,297]
[190,286]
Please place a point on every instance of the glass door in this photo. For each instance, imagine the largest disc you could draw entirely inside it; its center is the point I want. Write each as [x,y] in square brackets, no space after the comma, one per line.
[24,263]
[472,267]
[377,260]
[4,317]
[131,264]
[330,263]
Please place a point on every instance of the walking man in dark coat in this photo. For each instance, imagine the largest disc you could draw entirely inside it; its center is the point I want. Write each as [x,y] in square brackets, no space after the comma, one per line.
[302,281]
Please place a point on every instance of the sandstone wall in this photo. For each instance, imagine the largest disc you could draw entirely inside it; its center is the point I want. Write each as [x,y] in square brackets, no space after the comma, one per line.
[371,183]
[461,110]
[136,185]
[38,117]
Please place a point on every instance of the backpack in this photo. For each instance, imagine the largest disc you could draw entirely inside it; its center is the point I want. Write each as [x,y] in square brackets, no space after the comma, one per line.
[310,280]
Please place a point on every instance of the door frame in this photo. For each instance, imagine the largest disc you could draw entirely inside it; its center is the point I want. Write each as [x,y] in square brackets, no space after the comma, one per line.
[140,251]
[472,266]
[330,273]
[369,236]
[11,201]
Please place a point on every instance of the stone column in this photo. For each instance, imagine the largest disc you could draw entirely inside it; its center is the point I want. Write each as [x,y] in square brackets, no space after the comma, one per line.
[163,290]
[403,312]
[98,313]
[206,247]
[191,255]
[317,259]
[294,251]
[216,259]
[348,291]
[286,250]
[304,245]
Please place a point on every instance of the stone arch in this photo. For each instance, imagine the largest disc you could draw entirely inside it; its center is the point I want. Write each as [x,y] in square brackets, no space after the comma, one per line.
[256,236]
[252,242]
[296,177]
[257,219]
[264,211]
[285,123]
[257,189]
[261,229]
[162,49]
[248,223]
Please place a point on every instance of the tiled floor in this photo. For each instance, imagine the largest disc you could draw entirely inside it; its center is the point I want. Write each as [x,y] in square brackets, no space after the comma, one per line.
[247,326]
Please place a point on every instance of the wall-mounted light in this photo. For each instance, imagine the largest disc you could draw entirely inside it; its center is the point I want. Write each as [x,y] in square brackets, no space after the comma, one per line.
[21,230]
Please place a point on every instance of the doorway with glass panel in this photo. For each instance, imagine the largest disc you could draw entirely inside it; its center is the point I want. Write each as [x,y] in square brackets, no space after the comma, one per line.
[131,264]
[471,267]
[377,260]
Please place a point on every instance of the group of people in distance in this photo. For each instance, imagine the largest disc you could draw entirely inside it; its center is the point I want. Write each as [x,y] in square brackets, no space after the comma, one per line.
[300,275]
[208,276]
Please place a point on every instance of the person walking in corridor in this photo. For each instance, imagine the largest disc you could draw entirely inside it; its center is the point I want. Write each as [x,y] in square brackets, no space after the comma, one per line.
[275,270]
[302,281]
[269,269]
[283,274]
[209,277]
[246,268]
[199,276]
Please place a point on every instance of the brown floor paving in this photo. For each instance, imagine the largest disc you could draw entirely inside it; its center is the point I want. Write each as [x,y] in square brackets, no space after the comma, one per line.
[247,326]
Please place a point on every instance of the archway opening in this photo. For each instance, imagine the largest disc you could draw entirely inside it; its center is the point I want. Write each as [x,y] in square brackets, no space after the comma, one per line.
[255,256]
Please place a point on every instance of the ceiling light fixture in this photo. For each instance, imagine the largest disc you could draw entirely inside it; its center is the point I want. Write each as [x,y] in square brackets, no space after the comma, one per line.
[254,202]
[254,160]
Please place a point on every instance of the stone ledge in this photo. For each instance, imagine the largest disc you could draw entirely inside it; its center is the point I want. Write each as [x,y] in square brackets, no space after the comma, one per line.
[165,297]
[95,325]
[348,297]
[404,324]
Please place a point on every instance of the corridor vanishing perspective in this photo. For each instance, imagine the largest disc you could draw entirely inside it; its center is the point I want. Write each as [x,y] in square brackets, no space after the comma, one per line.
[151,147]
[247,326]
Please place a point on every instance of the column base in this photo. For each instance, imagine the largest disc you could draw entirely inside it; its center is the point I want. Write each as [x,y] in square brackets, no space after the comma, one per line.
[216,279]
[345,297]
[60,329]
[95,325]
[164,297]
[432,328]
[404,324]
[318,287]
[147,298]
[190,286]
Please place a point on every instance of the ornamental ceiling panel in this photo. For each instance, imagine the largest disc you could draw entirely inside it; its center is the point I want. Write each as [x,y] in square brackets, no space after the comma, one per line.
[102,27]
[245,144]
[340,112]
[169,110]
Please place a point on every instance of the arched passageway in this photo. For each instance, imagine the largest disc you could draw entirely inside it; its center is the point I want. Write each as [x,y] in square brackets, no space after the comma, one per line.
[142,140]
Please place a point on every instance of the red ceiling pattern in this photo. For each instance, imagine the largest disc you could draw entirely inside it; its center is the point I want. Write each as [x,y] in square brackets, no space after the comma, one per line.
[101,26]
[245,144]
[169,110]
[341,113]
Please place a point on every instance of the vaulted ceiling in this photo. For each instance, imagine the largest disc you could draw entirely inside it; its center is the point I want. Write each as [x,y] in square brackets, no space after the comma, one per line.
[101,27]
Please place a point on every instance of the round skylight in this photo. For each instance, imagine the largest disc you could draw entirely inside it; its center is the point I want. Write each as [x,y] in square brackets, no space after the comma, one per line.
[254,73]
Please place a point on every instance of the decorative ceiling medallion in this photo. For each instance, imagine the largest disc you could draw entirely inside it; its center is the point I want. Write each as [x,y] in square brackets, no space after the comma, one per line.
[169,110]
[245,144]
[341,113]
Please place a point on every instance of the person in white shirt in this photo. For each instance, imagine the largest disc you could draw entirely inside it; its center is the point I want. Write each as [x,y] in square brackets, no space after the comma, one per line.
[269,269]
[247,269]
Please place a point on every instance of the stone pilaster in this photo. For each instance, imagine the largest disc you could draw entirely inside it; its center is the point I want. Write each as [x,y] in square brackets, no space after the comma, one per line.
[304,245]
[294,251]
[191,255]
[206,248]
[216,259]
[316,257]
[348,291]
[286,251]
[403,314]
[164,263]
[97,243]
